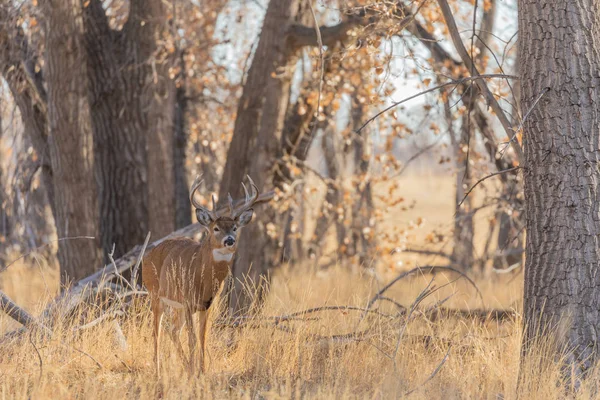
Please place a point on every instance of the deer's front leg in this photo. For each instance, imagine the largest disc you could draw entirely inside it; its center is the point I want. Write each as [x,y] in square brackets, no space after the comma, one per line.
[202,319]
[189,321]
[158,312]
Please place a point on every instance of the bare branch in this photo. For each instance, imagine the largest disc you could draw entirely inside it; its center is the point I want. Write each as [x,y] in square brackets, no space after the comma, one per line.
[424,270]
[468,61]
[17,313]
[484,179]
[301,35]
[433,89]
[433,374]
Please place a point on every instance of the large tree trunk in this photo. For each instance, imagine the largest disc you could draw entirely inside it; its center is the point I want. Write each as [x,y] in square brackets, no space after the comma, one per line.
[161,175]
[559,50]
[120,72]
[70,141]
[256,142]
[183,211]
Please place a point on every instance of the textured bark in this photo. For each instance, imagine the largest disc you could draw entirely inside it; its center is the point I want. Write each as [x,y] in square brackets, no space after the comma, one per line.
[70,140]
[559,49]
[256,142]
[161,176]
[333,196]
[120,71]
[27,90]
[464,229]
[183,212]
[361,242]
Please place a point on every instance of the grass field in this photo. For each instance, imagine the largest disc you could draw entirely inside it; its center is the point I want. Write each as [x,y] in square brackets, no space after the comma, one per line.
[408,355]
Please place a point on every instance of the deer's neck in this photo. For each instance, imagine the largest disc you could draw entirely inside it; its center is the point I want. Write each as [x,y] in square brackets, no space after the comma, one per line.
[222,255]
[217,256]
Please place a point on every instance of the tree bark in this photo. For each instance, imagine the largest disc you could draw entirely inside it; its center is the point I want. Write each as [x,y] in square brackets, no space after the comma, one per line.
[464,229]
[120,72]
[70,141]
[363,222]
[558,46]
[183,211]
[28,92]
[256,143]
[161,175]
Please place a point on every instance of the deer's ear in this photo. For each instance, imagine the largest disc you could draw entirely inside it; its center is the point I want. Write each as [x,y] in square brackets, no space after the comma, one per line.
[245,217]
[204,217]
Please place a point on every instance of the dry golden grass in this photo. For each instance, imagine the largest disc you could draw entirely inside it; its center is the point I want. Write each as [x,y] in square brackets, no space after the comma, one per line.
[398,357]
[481,358]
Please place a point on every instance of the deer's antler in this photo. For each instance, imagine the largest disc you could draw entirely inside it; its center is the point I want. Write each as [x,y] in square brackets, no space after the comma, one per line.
[249,201]
[195,185]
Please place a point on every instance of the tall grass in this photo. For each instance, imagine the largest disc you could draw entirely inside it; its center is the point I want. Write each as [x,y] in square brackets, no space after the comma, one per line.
[412,357]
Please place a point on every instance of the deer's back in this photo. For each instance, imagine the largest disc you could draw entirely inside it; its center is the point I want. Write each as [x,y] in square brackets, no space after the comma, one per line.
[164,255]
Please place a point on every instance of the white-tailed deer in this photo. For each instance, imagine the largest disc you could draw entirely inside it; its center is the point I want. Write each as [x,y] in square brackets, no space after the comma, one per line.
[185,275]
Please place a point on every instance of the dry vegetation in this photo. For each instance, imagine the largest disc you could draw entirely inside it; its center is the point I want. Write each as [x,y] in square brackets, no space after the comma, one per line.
[401,354]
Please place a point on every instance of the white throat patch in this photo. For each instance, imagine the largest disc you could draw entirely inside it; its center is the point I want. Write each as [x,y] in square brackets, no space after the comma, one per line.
[222,255]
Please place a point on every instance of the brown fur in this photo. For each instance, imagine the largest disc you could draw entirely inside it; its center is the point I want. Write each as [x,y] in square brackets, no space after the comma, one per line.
[184,271]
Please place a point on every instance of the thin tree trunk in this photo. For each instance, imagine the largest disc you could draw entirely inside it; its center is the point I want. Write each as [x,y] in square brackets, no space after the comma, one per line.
[70,141]
[28,92]
[363,224]
[333,196]
[463,251]
[559,50]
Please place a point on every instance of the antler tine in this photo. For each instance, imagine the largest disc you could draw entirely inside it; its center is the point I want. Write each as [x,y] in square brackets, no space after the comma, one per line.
[214,201]
[249,200]
[231,209]
[195,185]
[246,192]
[254,189]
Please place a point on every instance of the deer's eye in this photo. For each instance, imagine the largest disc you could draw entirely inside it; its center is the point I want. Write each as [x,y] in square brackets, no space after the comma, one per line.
[235,228]
[215,229]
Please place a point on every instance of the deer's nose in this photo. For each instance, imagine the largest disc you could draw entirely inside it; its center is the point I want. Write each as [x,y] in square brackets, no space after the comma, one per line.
[229,241]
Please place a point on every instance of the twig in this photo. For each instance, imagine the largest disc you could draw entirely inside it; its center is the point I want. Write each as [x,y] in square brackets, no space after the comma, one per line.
[433,89]
[116,270]
[116,313]
[544,91]
[38,354]
[433,374]
[486,178]
[424,269]
[422,296]
[239,321]
[417,155]
[4,268]
[87,355]
[507,270]
[424,252]
[468,61]
[139,261]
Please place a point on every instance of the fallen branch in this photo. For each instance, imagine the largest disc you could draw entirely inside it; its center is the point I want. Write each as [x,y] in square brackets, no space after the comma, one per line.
[17,313]
[423,270]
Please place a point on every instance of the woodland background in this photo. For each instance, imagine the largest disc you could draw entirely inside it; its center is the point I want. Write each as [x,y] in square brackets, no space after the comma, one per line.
[392,134]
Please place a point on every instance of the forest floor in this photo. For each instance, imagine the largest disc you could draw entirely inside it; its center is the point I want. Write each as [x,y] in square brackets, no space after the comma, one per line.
[408,352]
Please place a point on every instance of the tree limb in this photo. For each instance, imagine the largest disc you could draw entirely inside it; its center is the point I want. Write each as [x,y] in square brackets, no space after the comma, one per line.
[468,61]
